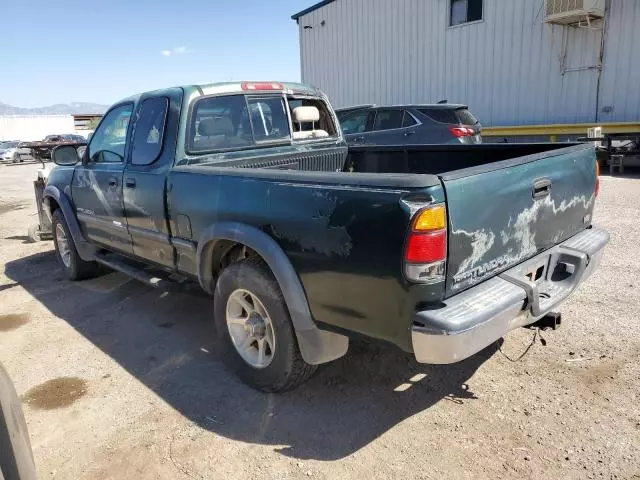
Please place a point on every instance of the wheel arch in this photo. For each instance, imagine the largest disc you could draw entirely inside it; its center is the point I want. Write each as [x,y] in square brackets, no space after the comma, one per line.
[316,346]
[54,199]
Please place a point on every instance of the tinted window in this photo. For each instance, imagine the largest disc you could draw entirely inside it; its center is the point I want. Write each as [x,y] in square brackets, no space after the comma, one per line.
[465,117]
[408,121]
[219,123]
[268,118]
[109,140]
[388,119]
[149,131]
[463,11]
[356,122]
[442,115]
[450,115]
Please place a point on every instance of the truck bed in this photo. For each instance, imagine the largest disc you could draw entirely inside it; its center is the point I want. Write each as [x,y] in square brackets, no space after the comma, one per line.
[439,159]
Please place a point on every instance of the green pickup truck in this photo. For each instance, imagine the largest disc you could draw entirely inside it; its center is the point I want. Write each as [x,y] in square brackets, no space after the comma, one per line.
[250,190]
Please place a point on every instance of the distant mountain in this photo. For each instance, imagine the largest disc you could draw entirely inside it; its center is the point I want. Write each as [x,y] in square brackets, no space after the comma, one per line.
[58,109]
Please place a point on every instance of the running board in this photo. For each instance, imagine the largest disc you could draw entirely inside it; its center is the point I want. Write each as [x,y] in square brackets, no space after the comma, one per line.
[141,274]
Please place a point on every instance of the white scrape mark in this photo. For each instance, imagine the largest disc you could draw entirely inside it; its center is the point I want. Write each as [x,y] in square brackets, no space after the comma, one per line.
[524,227]
[522,230]
[481,242]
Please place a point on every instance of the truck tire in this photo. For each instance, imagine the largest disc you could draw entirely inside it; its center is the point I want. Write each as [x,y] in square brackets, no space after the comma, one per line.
[254,332]
[68,257]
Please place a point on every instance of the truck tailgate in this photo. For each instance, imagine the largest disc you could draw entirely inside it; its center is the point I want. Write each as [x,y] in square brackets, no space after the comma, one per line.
[503,213]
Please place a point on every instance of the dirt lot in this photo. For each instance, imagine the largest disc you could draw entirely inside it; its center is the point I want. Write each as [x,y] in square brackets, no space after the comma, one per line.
[119,381]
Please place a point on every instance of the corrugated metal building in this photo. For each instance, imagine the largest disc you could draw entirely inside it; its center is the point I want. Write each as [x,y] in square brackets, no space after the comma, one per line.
[502,58]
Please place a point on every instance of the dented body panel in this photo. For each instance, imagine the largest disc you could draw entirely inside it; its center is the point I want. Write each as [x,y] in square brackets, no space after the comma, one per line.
[497,220]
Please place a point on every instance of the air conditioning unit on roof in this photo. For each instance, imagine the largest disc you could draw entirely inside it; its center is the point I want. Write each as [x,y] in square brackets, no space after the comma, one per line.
[567,12]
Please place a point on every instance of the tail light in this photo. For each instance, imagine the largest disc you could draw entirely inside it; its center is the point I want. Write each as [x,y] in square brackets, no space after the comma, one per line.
[597,178]
[426,250]
[462,131]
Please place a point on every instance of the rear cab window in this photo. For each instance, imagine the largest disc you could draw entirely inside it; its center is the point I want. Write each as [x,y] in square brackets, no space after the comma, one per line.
[268,118]
[240,121]
[219,123]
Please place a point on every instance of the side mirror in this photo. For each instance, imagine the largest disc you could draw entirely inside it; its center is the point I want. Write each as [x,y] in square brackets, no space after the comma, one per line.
[67,154]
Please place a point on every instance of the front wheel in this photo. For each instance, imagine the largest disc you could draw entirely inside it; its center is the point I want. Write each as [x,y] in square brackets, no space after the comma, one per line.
[68,256]
[254,330]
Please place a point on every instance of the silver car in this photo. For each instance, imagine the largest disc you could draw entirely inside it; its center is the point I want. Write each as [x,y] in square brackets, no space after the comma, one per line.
[409,124]
[13,151]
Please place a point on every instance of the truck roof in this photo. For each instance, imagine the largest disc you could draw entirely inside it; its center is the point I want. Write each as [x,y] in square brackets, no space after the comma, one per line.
[232,87]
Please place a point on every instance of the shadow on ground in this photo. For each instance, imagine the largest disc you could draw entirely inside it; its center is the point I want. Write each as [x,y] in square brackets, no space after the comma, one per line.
[163,340]
[24,238]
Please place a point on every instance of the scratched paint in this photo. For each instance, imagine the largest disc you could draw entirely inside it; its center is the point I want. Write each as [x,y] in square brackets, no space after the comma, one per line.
[488,237]
[519,238]
[319,235]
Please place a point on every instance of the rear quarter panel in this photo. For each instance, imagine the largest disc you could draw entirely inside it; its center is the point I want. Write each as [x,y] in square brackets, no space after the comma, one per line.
[345,242]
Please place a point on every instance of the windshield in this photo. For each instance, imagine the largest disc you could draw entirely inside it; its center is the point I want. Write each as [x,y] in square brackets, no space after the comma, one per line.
[9,145]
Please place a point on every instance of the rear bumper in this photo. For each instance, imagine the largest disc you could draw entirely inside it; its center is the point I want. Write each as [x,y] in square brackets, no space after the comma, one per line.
[472,320]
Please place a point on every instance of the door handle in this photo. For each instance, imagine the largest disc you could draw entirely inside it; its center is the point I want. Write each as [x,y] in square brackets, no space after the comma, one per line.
[410,132]
[130,183]
[113,182]
[358,139]
[541,188]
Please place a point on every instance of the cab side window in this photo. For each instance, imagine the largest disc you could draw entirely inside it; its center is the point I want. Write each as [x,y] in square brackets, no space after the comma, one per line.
[108,143]
[149,131]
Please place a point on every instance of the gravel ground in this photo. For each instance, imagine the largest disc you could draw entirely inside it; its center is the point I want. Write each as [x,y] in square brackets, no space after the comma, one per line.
[119,381]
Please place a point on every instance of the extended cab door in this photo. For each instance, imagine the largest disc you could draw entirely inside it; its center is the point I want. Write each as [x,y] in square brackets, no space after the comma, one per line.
[155,129]
[97,182]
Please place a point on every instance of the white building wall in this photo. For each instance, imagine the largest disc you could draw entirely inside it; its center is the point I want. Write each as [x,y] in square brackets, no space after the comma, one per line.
[511,67]
[34,127]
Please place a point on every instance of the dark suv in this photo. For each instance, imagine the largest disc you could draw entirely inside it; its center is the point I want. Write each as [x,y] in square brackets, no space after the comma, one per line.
[409,124]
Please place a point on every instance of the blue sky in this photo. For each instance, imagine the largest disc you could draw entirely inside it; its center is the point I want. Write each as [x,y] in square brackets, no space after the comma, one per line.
[79,51]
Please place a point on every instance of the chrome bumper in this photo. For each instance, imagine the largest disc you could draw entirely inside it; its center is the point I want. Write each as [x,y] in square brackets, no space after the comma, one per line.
[470,321]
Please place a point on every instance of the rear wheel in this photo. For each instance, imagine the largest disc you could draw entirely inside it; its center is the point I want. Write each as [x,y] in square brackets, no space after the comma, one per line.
[254,330]
[68,257]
